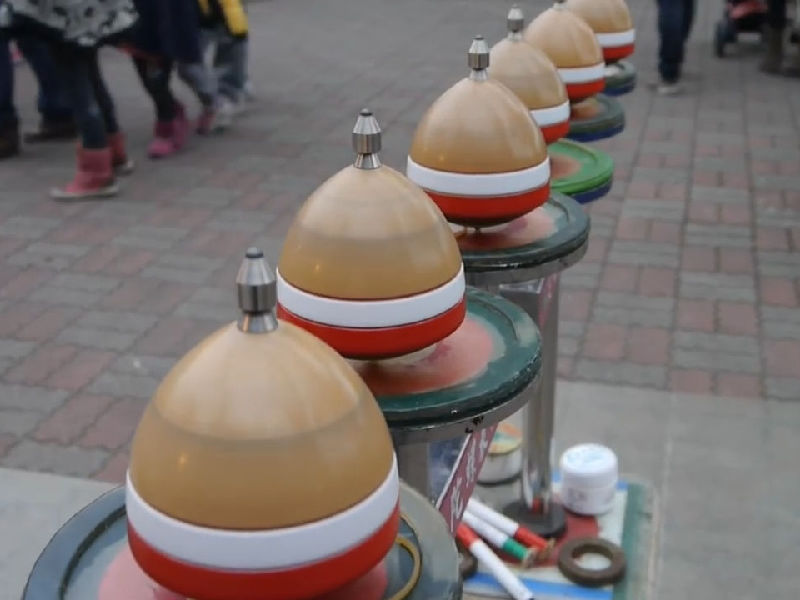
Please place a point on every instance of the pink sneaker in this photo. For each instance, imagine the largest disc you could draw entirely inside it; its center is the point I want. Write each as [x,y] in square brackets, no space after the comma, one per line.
[162,144]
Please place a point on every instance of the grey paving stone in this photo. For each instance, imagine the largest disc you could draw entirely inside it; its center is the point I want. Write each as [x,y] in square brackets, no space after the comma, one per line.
[68,460]
[716,342]
[65,296]
[47,255]
[89,283]
[149,366]
[717,286]
[571,328]
[660,175]
[663,210]
[241,220]
[621,373]
[783,388]
[718,361]
[125,321]
[123,385]
[778,264]
[28,227]
[777,182]
[32,398]
[718,236]
[14,349]
[18,422]
[96,337]
[581,275]
[647,254]
[149,237]
[719,195]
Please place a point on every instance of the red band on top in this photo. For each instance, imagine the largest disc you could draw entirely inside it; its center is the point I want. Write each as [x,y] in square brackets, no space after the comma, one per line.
[553,133]
[581,91]
[466,536]
[477,209]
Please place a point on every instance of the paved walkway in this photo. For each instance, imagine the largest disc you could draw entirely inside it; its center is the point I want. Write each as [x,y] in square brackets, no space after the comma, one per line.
[690,283]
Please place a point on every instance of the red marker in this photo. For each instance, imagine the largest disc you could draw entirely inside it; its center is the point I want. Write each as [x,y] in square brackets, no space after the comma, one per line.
[505,576]
[503,523]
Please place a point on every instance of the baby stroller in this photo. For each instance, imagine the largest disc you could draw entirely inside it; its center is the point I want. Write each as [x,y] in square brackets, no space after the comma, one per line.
[738,16]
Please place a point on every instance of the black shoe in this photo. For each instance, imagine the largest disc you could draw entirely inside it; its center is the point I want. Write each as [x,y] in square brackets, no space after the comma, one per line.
[9,140]
[51,131]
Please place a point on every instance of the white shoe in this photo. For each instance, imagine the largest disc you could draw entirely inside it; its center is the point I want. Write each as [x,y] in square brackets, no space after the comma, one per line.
[669,89]
[226,111]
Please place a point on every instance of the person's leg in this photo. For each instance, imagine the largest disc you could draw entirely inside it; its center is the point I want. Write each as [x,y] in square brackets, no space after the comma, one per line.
[171,126]
[689,9]
[773,36]
[202,81]
[53,104]
[671,24]
[95,176]
[230,64]
[9,125]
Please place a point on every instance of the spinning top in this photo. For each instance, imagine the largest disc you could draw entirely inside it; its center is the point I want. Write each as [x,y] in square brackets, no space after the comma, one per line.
[611,21]
[572,46]
[477,151]
[370,265]
[262,469]
[532,76]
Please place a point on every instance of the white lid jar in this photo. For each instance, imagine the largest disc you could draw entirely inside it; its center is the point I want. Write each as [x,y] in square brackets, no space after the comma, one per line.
[589,475]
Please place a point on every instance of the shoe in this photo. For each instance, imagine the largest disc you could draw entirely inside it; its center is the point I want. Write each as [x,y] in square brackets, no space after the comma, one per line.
[93,179]
[226,111]
[669,88]
[120,162]
[771,63]
[207,122]
[250,94]
[162,144]
[52,131]
[180,127]
[9,139]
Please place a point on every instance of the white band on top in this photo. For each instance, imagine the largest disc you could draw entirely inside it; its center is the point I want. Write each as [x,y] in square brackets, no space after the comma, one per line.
[371,313]
[616,39]
[552,115]
[285,548]
[581,74]
[483,184]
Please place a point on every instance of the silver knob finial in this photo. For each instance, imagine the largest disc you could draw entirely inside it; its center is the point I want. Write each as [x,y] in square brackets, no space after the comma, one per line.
[257,292]
[515,20]
[367,140]
[478,58]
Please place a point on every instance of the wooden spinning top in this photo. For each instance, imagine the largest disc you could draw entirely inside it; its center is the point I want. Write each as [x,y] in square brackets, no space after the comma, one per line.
[611,21]
[369,264]
[572,46]
[477,151]
[532,76]
[262,469]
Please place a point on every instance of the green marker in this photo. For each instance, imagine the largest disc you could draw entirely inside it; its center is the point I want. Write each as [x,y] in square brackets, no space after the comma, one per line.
[500,540]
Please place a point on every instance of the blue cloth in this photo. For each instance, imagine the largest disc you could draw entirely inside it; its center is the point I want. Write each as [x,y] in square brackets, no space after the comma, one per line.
[169,30]
[675,19]
[8,114]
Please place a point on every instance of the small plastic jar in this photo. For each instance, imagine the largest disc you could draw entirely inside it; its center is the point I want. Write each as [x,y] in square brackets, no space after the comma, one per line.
[589,475]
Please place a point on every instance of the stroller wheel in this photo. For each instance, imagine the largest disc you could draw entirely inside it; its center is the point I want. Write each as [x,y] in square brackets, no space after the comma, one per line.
[721,35]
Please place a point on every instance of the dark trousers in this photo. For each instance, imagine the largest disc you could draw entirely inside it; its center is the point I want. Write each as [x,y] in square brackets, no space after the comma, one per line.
[155,75]
[675,18]
[776,14]
[92,106]
[53,103]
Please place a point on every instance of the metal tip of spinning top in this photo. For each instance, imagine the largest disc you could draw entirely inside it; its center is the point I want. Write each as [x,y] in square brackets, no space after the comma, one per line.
[367,140]
[257,293]
[478,54]
[515,19]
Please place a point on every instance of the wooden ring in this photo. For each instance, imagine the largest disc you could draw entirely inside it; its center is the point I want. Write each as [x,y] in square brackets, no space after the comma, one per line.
[575,548]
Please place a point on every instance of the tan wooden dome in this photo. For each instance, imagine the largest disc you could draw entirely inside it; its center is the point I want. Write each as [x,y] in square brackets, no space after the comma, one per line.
[260,426]
[478,126]
[524,69]
[565,38]
[369,233]
[603,16]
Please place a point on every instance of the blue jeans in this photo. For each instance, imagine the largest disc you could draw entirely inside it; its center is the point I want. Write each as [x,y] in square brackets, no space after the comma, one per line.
[675,19]
[53,102]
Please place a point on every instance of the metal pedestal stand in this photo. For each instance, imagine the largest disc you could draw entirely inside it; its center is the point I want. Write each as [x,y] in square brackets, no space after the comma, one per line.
[442,404]
[523,262]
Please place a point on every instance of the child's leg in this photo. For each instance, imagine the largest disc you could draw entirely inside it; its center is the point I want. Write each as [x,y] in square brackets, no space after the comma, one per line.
[77,67]
[230,63]
[155,76]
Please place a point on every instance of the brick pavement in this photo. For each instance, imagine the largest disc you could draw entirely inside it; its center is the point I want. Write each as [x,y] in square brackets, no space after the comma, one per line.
[691,282]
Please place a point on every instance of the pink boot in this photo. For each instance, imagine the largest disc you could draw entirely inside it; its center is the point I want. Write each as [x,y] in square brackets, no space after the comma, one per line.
[161,145]
[180,127]
[94,178]
[119,156]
